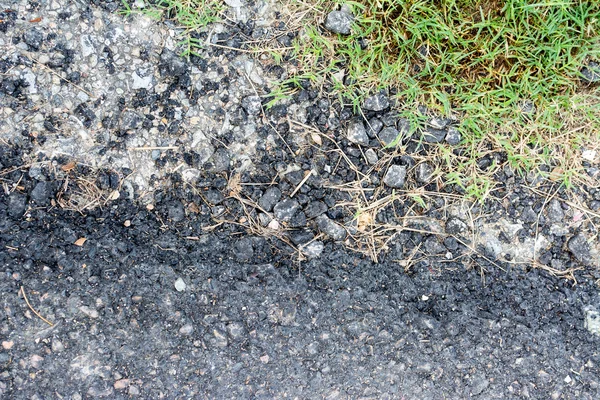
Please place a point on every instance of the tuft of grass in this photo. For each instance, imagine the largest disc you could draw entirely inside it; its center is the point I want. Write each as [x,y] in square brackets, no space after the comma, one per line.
[191,15]
[483,62]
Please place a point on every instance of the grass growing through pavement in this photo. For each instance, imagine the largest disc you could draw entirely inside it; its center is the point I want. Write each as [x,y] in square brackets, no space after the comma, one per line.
[480,61]
[192,15]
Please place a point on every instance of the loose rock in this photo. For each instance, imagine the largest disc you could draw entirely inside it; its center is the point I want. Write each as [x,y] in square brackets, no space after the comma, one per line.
[357,133]
[377,102]
[579,248]
[332,229]
[423,173]
[395,176]
[339,22]
[285,210]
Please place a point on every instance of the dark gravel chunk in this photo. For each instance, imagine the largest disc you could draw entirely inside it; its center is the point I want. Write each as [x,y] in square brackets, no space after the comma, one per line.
[285,210]
[270,198]
[423,173]
[176,211]
[395,176]
[453,136]
[433,246]
[332,229]
[171,64]
[314,209]
[455,226]
[34,38]
[339,22]
[374,127]
[388,135]
[357,133]
[17,203]
[529,216]
[377,102]
[579,248]
[41,193]
[591,72]
[301,237]
[432,135]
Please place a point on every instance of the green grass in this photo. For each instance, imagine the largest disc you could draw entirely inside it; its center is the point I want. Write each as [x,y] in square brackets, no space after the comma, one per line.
[476,60]
[191,15]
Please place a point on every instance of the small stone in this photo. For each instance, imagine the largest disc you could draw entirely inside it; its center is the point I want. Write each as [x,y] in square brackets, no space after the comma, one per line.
[34,38]
[332,229]
[17,203]
[268,200]
[121,384]
[377,102]
[36,361]
[455,225]
[528,108]
[423,173]
[186,330]
[371,156]
[235,329]
[130,120]
[579,247]
[388,135]
[285,210]
[264,359]
[180,285]
[171,64]
[141,82]
[57,346]
[453,136]
[357,133]
[529,216]
[8,344]
[555,212]
[134,390]
[440,123]
[41,193]
[339,22]
[301,237]
[90,312]
[87,48]
[313,249]
[155,154]
[433,246]
[591,72]
[479,384]
[432,135]
[374,127]
[176,211]
[314,209]
[252,105]
[395,176]
[221,339]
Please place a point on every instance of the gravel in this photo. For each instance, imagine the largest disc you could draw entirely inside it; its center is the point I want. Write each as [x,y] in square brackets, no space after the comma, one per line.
[357,133]
[339,22]
[377,102]
[395,176]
